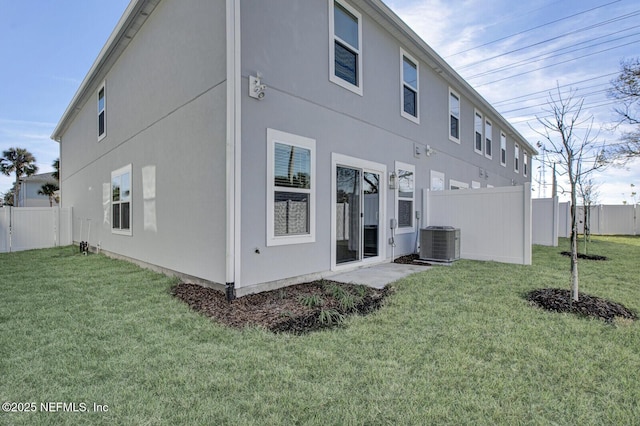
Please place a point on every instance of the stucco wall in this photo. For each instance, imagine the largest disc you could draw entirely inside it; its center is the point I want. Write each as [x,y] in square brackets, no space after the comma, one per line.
[166,115]
[288,43]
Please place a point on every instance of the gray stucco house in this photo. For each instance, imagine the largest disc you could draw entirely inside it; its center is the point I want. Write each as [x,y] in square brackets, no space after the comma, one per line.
[254,144]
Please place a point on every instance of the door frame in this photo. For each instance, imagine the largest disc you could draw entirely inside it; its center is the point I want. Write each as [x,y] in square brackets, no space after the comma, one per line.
[365,166]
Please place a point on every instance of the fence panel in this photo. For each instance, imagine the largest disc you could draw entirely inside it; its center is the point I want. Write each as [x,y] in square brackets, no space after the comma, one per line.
[494,223]
[26,228]
[617,220]
[545,221]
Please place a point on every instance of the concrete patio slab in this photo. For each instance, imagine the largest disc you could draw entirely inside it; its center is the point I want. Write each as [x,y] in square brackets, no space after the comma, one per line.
[378,276]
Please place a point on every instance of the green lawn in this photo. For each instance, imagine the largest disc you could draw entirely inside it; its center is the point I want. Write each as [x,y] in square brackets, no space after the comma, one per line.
[453,345]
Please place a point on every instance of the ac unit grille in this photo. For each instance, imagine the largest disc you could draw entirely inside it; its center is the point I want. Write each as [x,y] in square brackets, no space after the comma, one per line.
[440,243]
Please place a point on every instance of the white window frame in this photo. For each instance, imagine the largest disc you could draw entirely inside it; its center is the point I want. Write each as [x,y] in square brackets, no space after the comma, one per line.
[435,175]
[103,111]
[408,168]
[457,184]
[478,115]
[120,172]
[516,158]
[488,139]
[332,54]
[453,93]
[503,149]
[273,137]
[404,55]
[525,164]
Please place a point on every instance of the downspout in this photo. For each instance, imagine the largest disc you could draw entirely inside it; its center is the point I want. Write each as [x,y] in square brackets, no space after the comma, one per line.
[232,264]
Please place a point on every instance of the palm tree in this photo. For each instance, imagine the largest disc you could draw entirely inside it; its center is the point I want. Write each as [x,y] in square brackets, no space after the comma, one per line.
[56,169]
[49,189]
[18,161]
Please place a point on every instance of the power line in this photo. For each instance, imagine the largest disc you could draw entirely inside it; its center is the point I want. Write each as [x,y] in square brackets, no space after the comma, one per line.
[554,88]
[553,54]
[535,28]
[553,65]
[579,30]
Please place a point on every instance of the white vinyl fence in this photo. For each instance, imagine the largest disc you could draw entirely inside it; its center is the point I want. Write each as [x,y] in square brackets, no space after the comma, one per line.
[26,228]
[494,223]
[605,220]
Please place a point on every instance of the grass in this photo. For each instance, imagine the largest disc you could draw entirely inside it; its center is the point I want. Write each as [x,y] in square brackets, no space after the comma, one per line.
[453,345]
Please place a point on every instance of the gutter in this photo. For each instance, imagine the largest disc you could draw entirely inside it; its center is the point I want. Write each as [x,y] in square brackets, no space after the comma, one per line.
[233,207]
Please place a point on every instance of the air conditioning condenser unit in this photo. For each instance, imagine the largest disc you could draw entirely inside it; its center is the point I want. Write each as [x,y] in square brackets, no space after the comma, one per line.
[440,243]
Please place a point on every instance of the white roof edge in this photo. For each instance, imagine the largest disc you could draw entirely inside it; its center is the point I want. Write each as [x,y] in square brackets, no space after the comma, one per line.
[134,7]
[384,10]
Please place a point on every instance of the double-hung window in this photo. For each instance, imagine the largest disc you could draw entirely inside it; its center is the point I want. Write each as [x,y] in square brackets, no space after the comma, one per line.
[477,125]
[488,135]
[454,116]
[290,188]
[345,46]
[503,149]
[121,201]
[405,199]
[102,112]
[409,88]
[516,158]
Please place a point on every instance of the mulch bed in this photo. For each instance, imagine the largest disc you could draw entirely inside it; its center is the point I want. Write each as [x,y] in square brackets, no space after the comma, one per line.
[585,256]
[560,300]
[282,310]
[411,259]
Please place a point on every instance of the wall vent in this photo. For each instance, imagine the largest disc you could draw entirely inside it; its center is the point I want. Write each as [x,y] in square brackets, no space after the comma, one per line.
[440,243]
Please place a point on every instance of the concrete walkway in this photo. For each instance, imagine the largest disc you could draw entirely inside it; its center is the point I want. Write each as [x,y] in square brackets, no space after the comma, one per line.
[378,276]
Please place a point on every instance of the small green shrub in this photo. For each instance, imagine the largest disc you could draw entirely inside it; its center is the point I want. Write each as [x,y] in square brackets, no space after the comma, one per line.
[311,301]
[330,317]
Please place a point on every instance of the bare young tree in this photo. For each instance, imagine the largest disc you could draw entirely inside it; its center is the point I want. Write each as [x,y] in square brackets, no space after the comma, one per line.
[570,143]
[589,194]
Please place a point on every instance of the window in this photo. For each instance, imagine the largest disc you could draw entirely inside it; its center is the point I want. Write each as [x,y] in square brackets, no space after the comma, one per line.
[102,112]
[478,132]
[437,181]
[345,48]
[121,201]
[525,163]
[454,116]
[405,197]
[488,135]
[455,184]
[503,149]
[290,188]
[409,89]
[516,158]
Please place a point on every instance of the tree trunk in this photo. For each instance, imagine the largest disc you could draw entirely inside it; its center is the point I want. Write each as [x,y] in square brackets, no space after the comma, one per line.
[574,249]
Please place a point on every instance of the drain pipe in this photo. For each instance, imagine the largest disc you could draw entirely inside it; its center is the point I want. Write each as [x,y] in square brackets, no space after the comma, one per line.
[393,223]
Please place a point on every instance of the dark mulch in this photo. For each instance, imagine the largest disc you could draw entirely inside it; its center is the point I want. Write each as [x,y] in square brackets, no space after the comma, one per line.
[585,256]
[560,300]
[411,259]
[283,310]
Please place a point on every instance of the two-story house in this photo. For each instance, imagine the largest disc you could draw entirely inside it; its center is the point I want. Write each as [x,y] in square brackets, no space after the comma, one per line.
[254,144]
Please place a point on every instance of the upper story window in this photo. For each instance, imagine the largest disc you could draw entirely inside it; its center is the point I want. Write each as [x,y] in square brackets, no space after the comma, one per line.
[102,112]
[477,125]
[291,188]
[488,135]
[345,50]
[121,201]
[503,149]
[409,89]
[454,116]
[516,158]
[525,163]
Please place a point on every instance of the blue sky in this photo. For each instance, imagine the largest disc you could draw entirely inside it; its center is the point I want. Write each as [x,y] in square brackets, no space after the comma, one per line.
[48,46]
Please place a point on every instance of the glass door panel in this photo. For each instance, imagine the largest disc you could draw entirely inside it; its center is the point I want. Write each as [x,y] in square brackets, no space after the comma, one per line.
[371,207]
[348,214]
